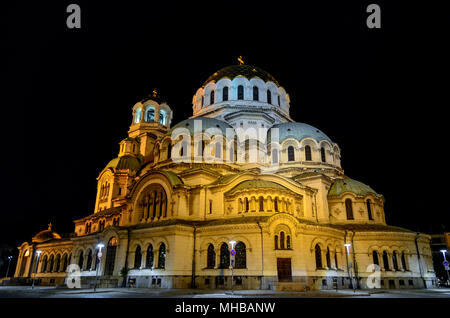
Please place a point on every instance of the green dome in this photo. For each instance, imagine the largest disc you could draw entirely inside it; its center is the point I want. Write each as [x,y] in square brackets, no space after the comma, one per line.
[341,186]
[125,162]
[247,71]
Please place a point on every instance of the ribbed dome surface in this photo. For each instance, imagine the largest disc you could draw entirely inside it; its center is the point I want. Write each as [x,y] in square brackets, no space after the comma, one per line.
[341,186]
[297,131]
[248,71]
[45,235]
[256,184]
[125,162]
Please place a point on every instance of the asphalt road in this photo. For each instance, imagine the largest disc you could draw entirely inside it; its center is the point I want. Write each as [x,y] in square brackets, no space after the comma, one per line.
[52,292]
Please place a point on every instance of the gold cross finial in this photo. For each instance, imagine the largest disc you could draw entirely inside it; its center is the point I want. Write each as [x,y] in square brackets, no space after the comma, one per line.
[241,61]
[50,226]
[155,92]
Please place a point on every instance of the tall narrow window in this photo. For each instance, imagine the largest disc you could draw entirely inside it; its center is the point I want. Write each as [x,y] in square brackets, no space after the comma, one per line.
[288,242]
[240,92]
[394,260]
[328,256]
[211,257]
[81,260]
[89,260]
[322,154]
[150,115]
[51,263]
[275,204]
[336,260]
[385,261]
[269,97]
[169,151]
[291,154]
[375,258]
[255,93]
[279,100]
[369,209]
[211,97]
[137,257]
[137,116]
[225,93]
[64,266]
[261,204]
[224,256]
[246,204]
[349,209]
[274,156]
[308,153]
[149,257]
[276,242]
[162,256]
[403,258]
[241,255]
[44,264]
[203,101]
[318,253]
[282,240]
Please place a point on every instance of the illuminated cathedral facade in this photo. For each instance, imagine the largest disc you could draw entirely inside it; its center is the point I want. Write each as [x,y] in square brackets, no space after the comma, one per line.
[240,169]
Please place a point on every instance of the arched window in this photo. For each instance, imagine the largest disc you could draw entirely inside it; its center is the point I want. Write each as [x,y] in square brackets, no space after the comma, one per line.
[394,260]
[110,256]
[183,149]
[349,209]
[162,117]
[275,204]
[51,262]
[261,204]
[322,154]
[241,256]
[318,252]
[169,151]
[282,238]
[269,97]
[291,154]
[403,258]
[203,101]
[328,257]
[225,93]
[65,262]
[218,150]
[150,115]
[240,92]
[288,242]
[211,97]
[274,156]
[375,258]
[279,100]
[255,93]
[369,209]
[162,256]
[137,257]
[276,242]
[44,264]
[211,257]
[81,260]
[308,153]
[336,260]
[200,148]
[246,205]
[224,256]
[89,260]
[137,115]
[149,257]
[385,261]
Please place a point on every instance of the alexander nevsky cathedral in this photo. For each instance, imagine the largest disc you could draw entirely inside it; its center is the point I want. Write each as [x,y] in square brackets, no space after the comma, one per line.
[238,194]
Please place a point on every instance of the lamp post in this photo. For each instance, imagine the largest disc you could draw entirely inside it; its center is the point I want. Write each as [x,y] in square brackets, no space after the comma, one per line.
[98,262]
[347,247]
[9,263]
[233,253]
[35,267]
[446,266]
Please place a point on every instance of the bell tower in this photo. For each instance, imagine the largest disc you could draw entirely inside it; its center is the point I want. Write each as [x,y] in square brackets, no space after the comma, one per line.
[151,121]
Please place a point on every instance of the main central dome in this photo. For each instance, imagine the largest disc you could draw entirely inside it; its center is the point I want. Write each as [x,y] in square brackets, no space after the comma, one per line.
[248,71]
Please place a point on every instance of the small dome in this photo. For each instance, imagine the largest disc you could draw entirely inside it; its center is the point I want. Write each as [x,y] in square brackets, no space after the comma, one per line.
[125,162]
[247,71]
[206,124]
[256,184]
[298,131]
[45,235]
[341,186]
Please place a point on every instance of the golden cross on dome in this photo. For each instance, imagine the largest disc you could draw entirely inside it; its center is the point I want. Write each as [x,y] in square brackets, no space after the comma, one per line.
[155,92]
[241,61]
[50,226]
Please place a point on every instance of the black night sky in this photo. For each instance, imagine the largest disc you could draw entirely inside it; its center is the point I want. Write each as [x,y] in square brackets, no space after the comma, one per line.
[70,92]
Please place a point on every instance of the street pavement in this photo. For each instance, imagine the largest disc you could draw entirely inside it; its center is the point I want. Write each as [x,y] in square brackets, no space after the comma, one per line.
[52,292]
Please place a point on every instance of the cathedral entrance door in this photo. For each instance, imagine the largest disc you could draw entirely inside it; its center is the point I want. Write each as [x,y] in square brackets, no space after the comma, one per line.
[284,269]
[110,256]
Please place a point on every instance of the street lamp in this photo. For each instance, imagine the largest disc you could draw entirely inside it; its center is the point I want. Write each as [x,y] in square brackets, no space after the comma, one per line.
[9,263]
[347,247]
[446,266]
[97,262]
[35,267]
[233,253]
